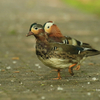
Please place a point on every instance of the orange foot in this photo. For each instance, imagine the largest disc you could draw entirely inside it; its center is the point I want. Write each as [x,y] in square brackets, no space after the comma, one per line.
[77,68]
[59,77]
[70,70]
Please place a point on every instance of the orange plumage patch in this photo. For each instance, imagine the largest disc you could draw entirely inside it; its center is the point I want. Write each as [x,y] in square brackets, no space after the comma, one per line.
[34,31]
[55,32]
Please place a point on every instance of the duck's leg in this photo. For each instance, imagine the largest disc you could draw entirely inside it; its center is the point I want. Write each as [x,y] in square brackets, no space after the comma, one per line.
[70,70]
[77,68]
[59,77]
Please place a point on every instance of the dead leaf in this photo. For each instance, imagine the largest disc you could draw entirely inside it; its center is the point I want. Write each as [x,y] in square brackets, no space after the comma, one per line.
[15,58]
[3,70]
[16,72]
[91,63]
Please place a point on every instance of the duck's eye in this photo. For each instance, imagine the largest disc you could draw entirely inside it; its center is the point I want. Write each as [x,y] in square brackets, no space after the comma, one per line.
[36,28]
[48,26]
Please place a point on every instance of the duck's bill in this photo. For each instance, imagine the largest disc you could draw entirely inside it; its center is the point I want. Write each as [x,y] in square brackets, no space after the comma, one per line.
[28,34]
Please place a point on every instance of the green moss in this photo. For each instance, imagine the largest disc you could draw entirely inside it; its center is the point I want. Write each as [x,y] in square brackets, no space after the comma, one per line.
[12,32]
[91,6]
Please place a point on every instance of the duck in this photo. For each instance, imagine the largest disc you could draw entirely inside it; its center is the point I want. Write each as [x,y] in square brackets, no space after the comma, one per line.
[55,35]
[58,55]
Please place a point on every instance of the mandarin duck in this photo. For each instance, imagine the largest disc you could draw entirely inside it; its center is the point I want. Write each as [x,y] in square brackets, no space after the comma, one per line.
[58,55]
[55,35]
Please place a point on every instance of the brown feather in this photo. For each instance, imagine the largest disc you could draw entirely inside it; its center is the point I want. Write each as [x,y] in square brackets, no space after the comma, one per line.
[55,32]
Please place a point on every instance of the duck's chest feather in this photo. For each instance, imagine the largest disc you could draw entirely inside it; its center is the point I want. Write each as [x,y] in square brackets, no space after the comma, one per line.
[42,50]
[54,57]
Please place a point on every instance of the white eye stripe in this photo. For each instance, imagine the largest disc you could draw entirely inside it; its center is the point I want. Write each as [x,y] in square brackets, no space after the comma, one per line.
[48,25]
[36,28]
[39,28]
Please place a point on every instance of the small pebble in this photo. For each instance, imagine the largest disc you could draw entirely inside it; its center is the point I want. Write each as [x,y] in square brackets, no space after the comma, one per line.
[59,88]
[12,80]
[51,85]
[94,78]
[88,93]
[88,82]
[98,90]
[21,83]
[8,67]
[39,66]
[42,97]
[14,62]
[97,73]
[36,64]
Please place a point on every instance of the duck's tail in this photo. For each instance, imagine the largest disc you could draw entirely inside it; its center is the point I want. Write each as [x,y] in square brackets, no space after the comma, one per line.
[91,52]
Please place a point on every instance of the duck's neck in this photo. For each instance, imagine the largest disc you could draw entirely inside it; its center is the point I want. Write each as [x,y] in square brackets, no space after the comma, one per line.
[55,32]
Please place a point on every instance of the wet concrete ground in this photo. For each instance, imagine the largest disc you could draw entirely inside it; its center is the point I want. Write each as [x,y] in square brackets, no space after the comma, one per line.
[22,75]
